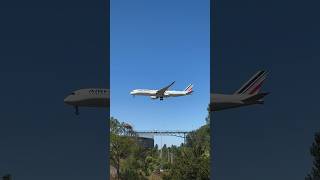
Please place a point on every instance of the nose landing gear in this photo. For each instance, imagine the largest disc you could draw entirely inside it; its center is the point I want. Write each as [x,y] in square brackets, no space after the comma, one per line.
[161,98]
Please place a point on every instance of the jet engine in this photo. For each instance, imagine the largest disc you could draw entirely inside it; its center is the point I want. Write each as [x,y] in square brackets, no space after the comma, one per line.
[153,97]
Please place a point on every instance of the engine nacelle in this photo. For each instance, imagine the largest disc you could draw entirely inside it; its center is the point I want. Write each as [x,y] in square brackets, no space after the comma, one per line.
[153,97]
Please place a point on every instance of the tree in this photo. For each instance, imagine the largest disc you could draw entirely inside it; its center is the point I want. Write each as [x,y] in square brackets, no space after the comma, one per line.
[129,160]
[120,146]
[192,161]
[315,152]
[134,162]
[208,115]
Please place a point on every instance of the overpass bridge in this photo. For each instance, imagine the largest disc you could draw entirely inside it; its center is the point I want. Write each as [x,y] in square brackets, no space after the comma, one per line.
[151,134]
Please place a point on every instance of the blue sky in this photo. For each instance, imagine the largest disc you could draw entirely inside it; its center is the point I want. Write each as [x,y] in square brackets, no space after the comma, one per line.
[152,44]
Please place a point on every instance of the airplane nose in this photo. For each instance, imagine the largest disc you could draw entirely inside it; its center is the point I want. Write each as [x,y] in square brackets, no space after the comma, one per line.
[67,100]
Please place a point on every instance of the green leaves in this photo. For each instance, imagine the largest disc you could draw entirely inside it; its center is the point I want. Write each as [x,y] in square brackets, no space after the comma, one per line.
[190,161]
[315,152]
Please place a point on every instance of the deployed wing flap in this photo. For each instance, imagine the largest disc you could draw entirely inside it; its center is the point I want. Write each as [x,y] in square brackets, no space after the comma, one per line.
[160,92]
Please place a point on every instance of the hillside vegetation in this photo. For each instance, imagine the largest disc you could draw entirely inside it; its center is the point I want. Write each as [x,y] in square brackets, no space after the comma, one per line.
[129,161]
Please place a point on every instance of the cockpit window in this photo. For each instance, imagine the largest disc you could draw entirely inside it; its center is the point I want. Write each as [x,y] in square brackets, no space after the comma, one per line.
[73,93]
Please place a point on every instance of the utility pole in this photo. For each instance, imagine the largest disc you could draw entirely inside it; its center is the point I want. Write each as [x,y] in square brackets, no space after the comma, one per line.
[161,155]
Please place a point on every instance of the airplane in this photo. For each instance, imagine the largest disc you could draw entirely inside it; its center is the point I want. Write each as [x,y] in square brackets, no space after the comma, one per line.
[90,97]
[248,94]
[162,93]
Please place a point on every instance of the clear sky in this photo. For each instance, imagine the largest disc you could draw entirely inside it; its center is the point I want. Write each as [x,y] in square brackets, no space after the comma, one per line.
[152,44]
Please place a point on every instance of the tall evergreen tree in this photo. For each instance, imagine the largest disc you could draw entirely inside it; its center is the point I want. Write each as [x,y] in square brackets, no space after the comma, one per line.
[208,115]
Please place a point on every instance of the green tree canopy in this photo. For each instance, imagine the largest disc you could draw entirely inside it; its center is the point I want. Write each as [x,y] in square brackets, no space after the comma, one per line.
[315,152]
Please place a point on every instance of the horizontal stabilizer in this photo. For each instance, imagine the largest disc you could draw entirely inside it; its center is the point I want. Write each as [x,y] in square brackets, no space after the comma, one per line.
[255,97]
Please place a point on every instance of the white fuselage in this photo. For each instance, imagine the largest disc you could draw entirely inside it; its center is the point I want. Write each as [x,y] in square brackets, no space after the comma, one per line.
[153,93]
[91,97]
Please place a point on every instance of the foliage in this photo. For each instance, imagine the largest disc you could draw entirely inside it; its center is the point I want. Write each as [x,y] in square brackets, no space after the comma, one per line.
[208,115]
[129,159]
[315,152]
[121,147]
[192,160]
[188,161]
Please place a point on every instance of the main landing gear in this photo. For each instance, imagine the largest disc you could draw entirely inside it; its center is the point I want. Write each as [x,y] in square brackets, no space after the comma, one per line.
[161,98]
[76,110]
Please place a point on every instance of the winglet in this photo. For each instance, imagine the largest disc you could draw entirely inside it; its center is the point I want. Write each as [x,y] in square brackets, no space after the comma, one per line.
[167,87]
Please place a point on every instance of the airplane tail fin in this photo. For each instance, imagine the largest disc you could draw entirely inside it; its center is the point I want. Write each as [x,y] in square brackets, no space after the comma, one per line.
[189,89]
[254,85]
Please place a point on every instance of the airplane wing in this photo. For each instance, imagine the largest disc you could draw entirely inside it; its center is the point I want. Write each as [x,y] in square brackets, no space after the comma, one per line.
[161,92]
